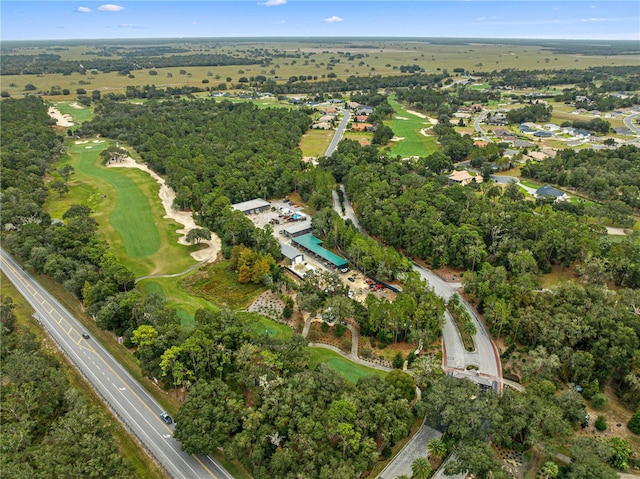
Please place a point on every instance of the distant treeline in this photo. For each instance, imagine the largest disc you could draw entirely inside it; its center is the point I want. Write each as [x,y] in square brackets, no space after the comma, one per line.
[50,63]
[546,77]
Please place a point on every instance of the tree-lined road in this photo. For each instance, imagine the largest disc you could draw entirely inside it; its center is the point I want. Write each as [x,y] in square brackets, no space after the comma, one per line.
[339,131]
[133,405]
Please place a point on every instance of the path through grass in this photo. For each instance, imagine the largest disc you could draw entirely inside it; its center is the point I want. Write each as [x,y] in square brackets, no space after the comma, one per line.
[349,370]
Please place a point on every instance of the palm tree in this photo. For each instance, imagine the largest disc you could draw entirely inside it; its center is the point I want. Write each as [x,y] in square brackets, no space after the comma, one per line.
[470,328]
[437,448]
[550,470]
[421,468]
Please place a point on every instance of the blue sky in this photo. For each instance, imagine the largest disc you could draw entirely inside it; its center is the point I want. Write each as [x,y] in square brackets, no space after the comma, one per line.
[584,19]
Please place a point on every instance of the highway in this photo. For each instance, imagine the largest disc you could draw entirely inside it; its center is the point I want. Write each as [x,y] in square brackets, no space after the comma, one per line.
[130,402]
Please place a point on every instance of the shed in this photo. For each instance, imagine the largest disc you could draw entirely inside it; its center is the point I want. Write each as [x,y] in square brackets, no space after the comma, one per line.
[252,206]
[297,229]
[291,255]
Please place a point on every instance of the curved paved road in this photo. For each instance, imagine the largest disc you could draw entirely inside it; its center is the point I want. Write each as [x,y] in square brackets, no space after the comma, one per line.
[628,122]
[132,404]
[476,125]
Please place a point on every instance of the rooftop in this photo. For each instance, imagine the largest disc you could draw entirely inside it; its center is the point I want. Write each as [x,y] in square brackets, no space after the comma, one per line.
[313,244]
[251,205]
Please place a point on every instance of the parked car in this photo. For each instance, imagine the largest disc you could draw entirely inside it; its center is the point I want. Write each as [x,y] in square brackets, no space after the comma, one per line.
[350,278]
[166,418]
[85,335]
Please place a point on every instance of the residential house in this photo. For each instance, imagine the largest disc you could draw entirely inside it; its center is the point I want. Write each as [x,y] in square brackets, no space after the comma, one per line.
[523,144]
[543,134]
[361,118]
[463,178]
[362,127]
[550,191]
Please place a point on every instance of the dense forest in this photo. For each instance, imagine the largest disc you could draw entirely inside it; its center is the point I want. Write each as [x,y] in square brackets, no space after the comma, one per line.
[243,151]
[48,428]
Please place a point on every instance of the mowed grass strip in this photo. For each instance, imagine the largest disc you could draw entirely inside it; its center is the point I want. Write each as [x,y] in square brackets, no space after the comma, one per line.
[413,143]
[349,370]
[131,217]
[79,113]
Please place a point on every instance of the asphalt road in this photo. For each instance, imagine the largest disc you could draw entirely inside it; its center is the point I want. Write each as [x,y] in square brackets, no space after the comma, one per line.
[485,357]
[338,135]
[508,179]
[131,403]
[628,122]
[476,125]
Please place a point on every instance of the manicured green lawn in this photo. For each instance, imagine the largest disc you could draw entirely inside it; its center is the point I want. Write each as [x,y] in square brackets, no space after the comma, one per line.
[175,295]
[349,370]
[129,213]
[131,217]
[414,142]
[269,327]
[78,112]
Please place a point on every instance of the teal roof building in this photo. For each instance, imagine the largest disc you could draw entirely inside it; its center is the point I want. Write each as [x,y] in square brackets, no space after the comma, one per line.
[314,245]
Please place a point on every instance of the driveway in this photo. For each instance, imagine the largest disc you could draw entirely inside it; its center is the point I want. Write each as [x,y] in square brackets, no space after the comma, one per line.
[505,180]
[414,449]
[629,123]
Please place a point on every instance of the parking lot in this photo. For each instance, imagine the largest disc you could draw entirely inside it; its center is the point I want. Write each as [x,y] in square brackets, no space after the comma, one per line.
[279,216]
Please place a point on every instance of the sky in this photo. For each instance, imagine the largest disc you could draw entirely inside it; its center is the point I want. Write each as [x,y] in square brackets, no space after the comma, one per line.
[566,19]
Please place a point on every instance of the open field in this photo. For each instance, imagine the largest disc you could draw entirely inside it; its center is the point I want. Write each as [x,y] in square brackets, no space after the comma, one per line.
[406,127]
[143,466]
[349,370]
[370,56]
[269,327]
[78,112]
[315,142]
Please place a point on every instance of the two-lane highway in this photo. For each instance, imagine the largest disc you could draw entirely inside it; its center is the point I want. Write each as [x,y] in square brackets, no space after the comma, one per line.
[135,408]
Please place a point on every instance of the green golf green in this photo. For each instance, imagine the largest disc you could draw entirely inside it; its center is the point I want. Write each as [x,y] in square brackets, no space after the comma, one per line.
[349,370]
[407,126]
[131,217]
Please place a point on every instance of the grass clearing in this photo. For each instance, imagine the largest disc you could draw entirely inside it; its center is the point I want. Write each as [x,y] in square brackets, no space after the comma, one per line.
[349,370]
[142,464]
[271,328]
[558,275]
[219,285]
[79,113]
[315,142]
[175,295]
[407,126]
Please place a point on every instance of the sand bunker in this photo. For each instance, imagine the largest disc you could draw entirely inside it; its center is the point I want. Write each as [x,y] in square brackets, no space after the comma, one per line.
[97,141]
[88,147]
[76,105]
[81,142]
[401,118]
[397,138]
[61,120]
[416,113]
[425,131]
[185,218]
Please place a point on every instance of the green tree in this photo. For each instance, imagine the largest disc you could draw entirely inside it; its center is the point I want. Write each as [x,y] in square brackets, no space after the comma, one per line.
[421,468]
[437,448]
[196,235]
[550,470]
[403,382]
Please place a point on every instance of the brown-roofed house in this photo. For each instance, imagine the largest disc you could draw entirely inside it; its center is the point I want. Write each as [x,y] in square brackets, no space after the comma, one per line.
[463,177]
[362,127]
[480,143]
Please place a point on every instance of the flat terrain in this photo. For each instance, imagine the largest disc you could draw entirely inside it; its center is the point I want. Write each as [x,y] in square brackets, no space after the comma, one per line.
[408,127]
[350,371]
[362,58]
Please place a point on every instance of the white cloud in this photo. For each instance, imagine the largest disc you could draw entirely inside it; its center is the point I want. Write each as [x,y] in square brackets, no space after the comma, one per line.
[273,3]
[333,19]
[593,19]
[129,25]
[109,7]
[83,9]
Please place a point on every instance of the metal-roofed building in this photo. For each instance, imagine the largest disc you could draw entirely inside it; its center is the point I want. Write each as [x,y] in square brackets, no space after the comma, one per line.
[291,255]
[297,229]
[252,206]
[313,244]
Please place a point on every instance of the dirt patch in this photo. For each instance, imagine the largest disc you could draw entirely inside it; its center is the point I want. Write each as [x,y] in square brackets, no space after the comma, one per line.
[185,218]
[450,275]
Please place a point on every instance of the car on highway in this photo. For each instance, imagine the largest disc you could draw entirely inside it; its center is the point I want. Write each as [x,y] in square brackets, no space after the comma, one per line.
[85,335]
[166,418]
